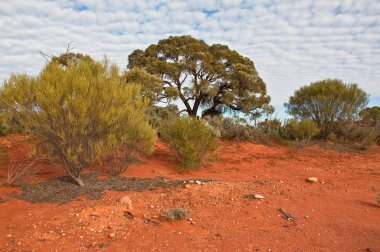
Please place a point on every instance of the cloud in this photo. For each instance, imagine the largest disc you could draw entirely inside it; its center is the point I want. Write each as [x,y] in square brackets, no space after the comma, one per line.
[292,43]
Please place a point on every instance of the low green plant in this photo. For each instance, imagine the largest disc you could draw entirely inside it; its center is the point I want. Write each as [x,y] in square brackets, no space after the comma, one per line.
[192,140]
[300,130]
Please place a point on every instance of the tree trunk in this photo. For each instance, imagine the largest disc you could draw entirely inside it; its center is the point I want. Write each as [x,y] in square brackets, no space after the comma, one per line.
[78,180]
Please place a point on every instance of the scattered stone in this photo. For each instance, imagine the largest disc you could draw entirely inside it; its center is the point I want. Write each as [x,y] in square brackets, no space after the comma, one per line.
[111,235]
[109,226]
[9,236]
[312,179]
[152,222]
[92,230]
[198,182]
[127,201]
[151,206]
[253,196]
[258,196]
[128,215]
[187,186]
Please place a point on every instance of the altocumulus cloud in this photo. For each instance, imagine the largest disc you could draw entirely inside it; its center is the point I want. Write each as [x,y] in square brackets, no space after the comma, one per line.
[292,43]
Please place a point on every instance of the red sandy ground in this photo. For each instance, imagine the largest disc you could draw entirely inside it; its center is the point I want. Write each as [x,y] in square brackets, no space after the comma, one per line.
[338,213]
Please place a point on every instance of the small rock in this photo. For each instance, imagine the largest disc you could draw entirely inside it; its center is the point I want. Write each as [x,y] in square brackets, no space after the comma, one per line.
[92,230]
[312,179]
[109,226]
[258,196]
[198,182]
[151,206]
[9,236]
[127,201]
[111,235]
[187,186]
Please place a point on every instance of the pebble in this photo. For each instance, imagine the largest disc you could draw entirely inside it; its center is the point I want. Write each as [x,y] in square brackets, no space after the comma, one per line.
[111,235]
[258,196]
[198,182]
[109,226]
[127,201]
[312,179]
[9,236]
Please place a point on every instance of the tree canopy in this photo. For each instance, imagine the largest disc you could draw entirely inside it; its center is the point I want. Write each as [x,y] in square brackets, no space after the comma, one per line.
[213,77]
[327,102]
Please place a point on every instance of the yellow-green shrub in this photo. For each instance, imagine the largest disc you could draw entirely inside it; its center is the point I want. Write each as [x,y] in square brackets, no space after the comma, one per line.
[190,139]
[300,130]
[81,111]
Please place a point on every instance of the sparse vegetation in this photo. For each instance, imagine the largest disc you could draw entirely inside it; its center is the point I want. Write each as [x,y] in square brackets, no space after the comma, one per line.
[190,139]
[176,214]
[21,171]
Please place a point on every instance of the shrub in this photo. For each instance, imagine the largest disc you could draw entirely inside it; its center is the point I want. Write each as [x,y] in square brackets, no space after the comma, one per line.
[300,130]
[362,134]
[327,102]
[192,140]
[81,110]
[158,115]
[236,128]
[176,214]
[21,171]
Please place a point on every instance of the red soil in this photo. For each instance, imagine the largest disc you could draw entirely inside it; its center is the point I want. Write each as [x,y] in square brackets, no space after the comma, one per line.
[337,213]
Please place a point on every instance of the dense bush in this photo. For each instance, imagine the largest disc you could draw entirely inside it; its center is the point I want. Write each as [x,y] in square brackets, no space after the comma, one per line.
[81,109]
[300,130]
[158,115]
[356,132]
[236,128]
[327,102]
[190,139]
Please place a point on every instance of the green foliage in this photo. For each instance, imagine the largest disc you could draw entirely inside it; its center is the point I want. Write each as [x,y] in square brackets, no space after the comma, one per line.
[356,132]
[231,128]
[370,116]
[151,86]
[159,115]
[300,130]
[4,126]
[327,102]
[81,110]
[190,139]
[236,128]
[213,77]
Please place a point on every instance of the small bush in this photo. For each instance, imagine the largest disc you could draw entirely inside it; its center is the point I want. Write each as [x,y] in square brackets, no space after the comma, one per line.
[236,128]
[300,130]
[355,132]
[81,109]
[176,214]
[190,139]
[21,171]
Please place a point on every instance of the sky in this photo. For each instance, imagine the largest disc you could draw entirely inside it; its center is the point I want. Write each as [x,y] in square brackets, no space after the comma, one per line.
[291,42]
